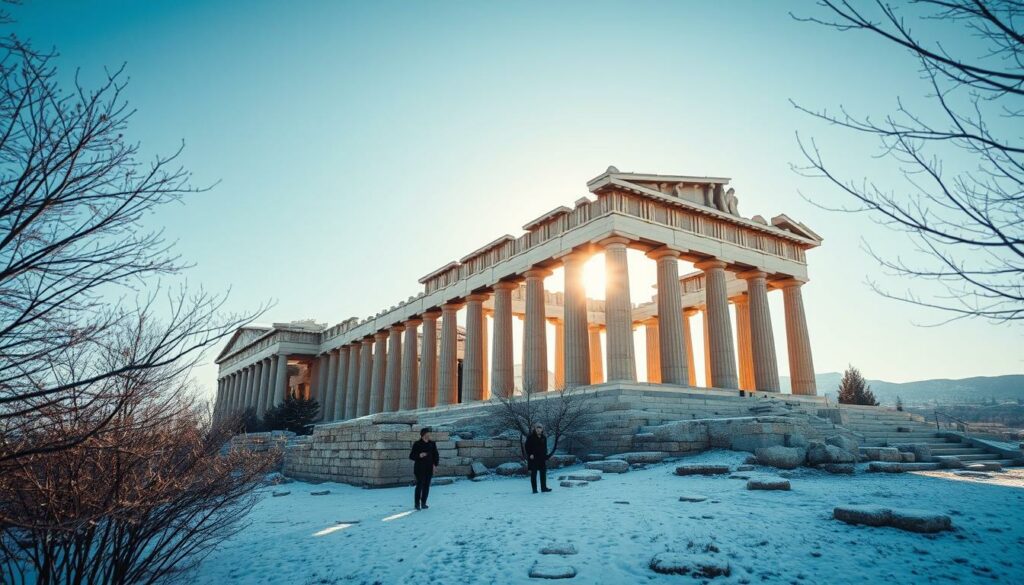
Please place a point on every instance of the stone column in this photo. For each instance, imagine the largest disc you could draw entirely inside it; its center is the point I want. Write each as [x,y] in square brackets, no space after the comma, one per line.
[653,344]
[473,350]
[762,340]
[352,381]
[596,365]
[618,312]
[798,341]
[707,346]
[380,370]
[688,337]
[229,403]
[327,387]
[263,396]
[502,375]
[559,352]
[410,366]
[341,384]
[272,385]
[365,402]
[318,380]
[723,357]
[672,341]
[746,358]
[393,374]
[218,400]
[448,376]
[426,395]
[535,344]
[281,381]
[246,389]
[577,342]
[484,356]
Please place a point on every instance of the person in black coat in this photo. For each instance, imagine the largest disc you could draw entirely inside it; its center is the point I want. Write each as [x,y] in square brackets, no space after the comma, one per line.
[537,457]
[425,460]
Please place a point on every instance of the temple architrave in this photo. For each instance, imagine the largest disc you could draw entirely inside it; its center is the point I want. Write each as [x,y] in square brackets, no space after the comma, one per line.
[414,355]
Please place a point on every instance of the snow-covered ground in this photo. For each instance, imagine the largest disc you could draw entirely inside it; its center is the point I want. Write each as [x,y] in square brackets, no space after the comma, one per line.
[491,531]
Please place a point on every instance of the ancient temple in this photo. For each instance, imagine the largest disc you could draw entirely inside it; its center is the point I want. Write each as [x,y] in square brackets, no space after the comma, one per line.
[414,355]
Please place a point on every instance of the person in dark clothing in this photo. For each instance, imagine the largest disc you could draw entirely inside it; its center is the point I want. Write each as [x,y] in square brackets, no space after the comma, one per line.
[537,457]
[425,460]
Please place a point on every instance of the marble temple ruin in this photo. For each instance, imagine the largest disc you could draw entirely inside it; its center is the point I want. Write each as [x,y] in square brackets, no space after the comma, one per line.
[415,356]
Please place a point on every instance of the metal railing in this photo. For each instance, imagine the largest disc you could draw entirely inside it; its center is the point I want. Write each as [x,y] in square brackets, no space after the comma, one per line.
[954,422]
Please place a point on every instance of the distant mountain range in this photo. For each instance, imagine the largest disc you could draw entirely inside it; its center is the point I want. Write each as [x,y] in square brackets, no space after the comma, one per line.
[965,390]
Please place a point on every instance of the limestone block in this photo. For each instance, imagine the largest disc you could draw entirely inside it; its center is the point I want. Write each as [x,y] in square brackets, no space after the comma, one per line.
[692,498]
[781,457]
[906,457]
[897,467]
[819,453]
[700,469]
[552,568]
[911,520]
[565,548]
[695,564]
[608,466]
[588,475]
[888,454]
[571,483]
[561,460]
[948,461]
[641,457]
[477,469]
[838,468]
[768,483]
[922,451]
[987,466]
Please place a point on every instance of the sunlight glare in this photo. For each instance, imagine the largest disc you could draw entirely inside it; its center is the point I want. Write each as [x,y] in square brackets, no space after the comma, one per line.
[331,529]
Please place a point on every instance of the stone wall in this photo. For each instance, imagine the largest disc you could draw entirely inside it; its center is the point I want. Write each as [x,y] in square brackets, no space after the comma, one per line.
[373,451]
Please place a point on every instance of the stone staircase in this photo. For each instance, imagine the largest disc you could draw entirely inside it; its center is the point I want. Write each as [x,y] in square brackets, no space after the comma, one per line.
[884,428]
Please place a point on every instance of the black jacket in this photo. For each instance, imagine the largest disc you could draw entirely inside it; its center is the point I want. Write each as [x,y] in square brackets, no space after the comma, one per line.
[538,447]
[424,464]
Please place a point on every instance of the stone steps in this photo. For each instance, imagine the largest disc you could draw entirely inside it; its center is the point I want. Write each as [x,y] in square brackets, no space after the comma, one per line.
[958,451]
[896,439]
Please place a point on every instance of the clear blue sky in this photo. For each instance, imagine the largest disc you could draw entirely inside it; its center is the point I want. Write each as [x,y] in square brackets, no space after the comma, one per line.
[361,145]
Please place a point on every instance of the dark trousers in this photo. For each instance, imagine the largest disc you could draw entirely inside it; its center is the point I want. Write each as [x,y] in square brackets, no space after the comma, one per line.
[542,469]
[423,486]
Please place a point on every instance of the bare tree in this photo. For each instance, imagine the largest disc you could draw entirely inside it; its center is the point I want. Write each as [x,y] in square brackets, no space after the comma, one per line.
[143,499]
[73,254]
[565,413]
[961,201]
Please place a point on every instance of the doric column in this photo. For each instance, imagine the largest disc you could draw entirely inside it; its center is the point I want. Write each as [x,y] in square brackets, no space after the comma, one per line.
[746,358]
[707,346]
[485,356]
[328,385]
[341,384]
[502,374]
[688,337]
[229,403]
[380,370]
[352,381]
[535,346]
[559,352]
[318,380]
[246,389]
[426,395]
[218,400]
[596,365]
[798,341]
[618,312]
[365,402]
[265,393]
[672,341]
[410,366]
[281,381]
[653,344]
[393,374]
[473,349]
[762,341]
[723,358]
[272,385]
[448,368]
[577,342]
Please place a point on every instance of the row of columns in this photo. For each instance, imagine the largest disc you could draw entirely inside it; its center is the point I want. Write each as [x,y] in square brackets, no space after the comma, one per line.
[259,386]
[388,372]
